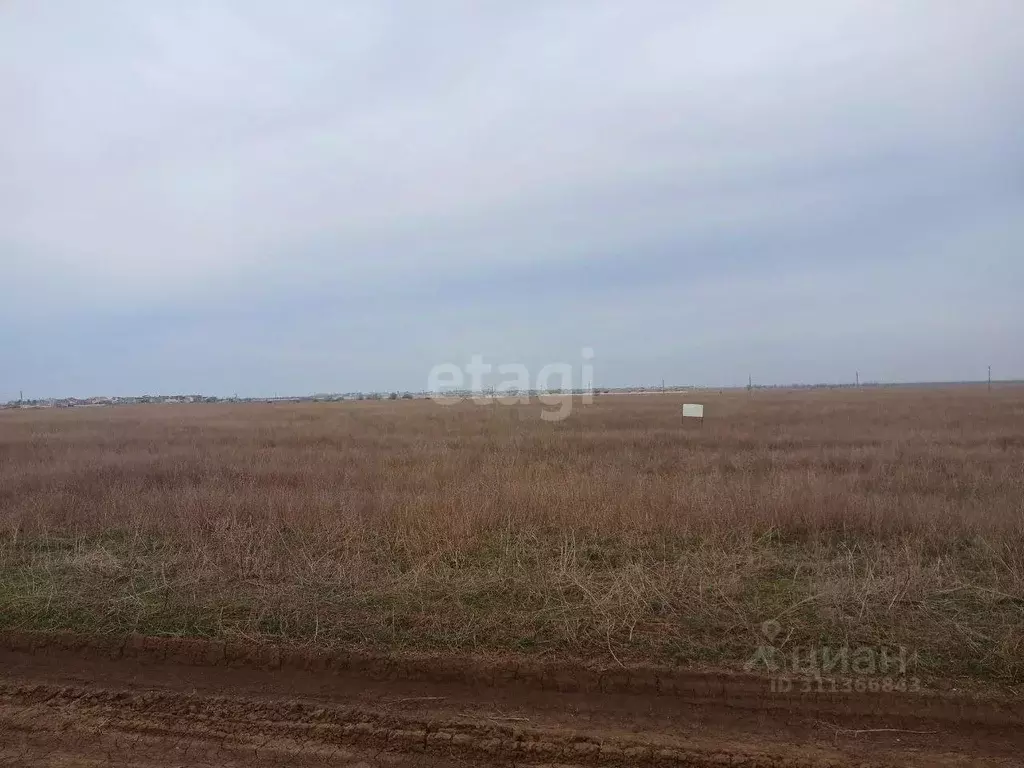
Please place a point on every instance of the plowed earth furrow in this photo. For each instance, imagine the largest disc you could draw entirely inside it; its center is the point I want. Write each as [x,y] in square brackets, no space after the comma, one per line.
[80,702]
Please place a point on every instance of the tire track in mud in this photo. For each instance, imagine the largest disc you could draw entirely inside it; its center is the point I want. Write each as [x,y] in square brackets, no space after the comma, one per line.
[294,728]
[73,700]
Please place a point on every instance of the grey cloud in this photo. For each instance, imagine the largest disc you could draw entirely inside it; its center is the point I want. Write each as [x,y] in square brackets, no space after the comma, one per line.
[190,155]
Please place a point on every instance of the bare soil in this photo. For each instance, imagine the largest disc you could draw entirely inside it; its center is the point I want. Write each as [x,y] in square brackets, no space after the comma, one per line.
[68,700]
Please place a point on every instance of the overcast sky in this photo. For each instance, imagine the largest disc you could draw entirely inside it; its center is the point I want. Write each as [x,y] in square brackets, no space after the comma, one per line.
[324,196]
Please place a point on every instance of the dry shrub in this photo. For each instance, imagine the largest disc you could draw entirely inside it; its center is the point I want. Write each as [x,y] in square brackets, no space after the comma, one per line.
[871,516]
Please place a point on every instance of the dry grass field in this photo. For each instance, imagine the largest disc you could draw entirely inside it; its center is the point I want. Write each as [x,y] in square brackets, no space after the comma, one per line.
[874,516]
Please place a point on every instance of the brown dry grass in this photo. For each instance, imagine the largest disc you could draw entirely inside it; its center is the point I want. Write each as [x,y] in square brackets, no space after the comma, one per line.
[879,517]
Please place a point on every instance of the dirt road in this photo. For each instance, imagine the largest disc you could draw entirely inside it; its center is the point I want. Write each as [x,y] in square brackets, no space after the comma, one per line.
[67,701]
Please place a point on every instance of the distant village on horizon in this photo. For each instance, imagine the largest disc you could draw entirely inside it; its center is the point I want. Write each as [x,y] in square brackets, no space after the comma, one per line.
[104,401]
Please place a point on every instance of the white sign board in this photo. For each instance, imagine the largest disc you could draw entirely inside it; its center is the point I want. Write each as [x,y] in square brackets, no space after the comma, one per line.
[692,410]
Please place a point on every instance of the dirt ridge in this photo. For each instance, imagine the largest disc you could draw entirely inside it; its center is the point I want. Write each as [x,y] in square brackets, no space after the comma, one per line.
[291,726]
[740,689]
[76,700]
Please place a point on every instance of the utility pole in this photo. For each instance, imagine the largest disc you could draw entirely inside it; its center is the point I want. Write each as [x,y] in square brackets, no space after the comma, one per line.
[662,386]
[750,383]
[990,378]
[858,378]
